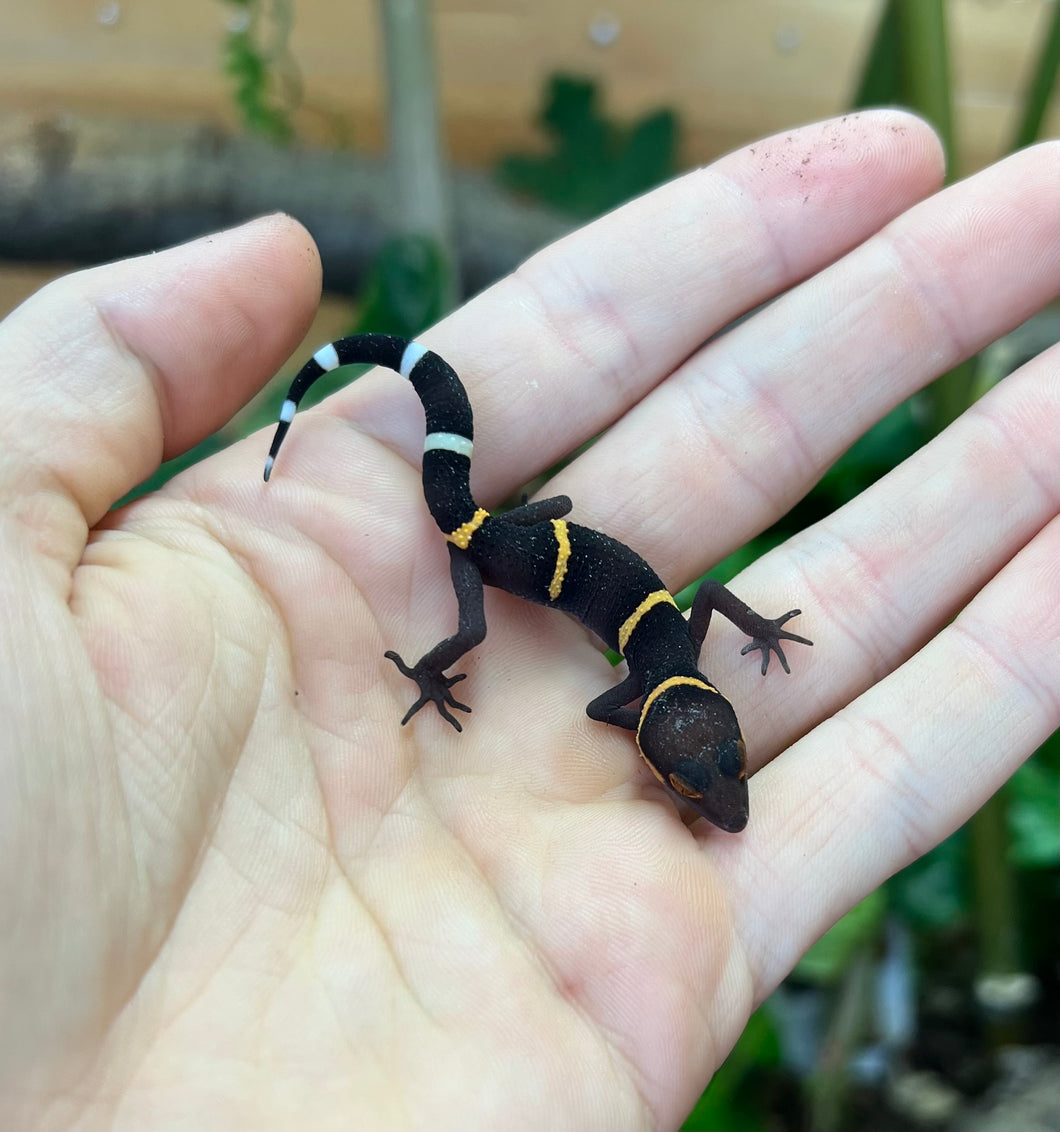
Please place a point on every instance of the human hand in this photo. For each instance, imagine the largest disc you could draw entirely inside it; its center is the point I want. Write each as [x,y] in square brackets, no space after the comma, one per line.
[236,893]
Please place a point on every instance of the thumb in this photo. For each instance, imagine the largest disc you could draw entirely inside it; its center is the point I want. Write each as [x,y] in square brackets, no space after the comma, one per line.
[106,372]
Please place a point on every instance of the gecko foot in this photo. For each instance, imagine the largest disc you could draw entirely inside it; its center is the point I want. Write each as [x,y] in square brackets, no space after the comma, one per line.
[434,688]
[768,636]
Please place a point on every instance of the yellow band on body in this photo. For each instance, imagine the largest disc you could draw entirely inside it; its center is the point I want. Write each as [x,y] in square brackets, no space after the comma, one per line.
[633,620]
[662,686]
[462,535]
[562,554]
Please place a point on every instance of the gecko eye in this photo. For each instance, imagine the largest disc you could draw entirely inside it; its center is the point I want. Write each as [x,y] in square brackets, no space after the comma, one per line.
[732,759]
[684,787]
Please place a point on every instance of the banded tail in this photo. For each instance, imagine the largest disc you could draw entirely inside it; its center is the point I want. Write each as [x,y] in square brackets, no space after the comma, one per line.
[450,432]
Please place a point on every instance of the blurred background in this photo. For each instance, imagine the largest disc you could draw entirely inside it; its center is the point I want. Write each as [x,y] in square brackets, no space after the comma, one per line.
[430,148]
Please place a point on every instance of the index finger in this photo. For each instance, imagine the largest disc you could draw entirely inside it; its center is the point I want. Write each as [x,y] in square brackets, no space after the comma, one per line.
[561,348]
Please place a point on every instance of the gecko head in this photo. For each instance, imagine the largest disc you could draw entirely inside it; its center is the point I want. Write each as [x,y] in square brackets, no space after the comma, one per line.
[690,737]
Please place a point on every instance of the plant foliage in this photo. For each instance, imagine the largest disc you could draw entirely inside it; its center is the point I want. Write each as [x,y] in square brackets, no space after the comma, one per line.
[593,164]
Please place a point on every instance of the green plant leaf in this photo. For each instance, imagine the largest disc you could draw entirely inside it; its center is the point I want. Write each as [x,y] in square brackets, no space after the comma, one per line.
[890,441]
[593,164]
[932,892]
[404,291]
[1034,810]
[733,1101]
[880,83]
[826,960]
[267,87]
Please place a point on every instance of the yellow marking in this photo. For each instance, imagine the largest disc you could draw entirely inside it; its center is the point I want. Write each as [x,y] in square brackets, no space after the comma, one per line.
[683,786]
[650,765]
[661,687]
[633,620]
[462,535]
[562,554]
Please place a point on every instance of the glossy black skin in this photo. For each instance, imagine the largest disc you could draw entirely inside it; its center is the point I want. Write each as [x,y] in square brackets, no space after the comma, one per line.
[689,735]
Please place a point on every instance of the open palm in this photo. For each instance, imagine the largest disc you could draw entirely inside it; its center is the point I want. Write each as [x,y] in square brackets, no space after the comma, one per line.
[235,892]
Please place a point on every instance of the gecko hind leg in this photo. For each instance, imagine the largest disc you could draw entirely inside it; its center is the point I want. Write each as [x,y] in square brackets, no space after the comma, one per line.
[434,688]
[429,671]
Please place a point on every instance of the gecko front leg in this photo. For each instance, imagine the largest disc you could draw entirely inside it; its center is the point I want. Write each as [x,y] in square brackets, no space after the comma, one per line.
[765,633]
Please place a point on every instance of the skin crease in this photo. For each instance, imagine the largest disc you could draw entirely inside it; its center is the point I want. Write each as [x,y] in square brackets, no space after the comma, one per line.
[237,894]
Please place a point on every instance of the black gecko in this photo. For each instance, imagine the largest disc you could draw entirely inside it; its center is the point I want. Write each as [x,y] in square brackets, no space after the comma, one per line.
[686,730]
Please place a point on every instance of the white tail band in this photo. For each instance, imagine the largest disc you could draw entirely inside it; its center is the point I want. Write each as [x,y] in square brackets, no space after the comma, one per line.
[413,352]
[450,442]
[327,357]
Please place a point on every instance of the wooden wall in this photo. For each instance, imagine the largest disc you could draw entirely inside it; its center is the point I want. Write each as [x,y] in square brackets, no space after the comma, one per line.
[735,69]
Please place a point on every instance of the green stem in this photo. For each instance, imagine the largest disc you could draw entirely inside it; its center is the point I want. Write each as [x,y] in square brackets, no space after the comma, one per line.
[417,150]
[995,897]
[1043,79]
[925,70]
[829,1085]
[1004,990]
[926,88]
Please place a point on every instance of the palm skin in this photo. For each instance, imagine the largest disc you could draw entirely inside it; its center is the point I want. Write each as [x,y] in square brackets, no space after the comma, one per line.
[237,893]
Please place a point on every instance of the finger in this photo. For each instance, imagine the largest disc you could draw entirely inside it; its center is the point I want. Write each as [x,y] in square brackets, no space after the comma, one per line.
[902,767]
[108,371]
[561,348]
[896,564]
[744,430]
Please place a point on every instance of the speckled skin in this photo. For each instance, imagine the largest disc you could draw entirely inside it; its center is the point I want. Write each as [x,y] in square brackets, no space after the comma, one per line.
[686,730]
